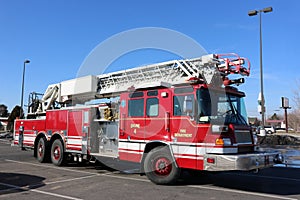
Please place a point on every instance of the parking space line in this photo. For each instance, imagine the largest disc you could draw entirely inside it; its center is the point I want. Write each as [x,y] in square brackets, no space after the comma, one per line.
[146,180]
[51,167]
[242,192]
[56,195]
[110,174]
[5,141]
[126,178]
[71,179]
[37,191]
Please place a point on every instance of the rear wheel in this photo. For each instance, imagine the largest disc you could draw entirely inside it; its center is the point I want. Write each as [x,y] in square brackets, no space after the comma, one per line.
[57,153]
[160,167]
[42,152]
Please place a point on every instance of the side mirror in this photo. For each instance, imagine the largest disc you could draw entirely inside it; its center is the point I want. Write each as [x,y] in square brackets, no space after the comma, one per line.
[187,105]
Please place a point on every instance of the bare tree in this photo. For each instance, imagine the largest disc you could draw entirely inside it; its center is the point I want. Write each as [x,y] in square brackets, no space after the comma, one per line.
[15,113]
[294,120]
[294,116]
[296,98]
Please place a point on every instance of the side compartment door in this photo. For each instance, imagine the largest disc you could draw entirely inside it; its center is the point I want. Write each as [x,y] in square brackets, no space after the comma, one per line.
[103,137]
[85,131]
[75,128]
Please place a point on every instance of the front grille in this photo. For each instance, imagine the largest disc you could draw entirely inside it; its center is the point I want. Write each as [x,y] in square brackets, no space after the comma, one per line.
[244,140]
[245,149]
[243,137]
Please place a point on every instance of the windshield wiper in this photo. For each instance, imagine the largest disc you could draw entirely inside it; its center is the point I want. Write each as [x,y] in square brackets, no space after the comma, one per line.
[239,116]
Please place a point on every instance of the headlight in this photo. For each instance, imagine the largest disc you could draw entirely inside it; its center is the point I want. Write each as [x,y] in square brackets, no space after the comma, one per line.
[219,128]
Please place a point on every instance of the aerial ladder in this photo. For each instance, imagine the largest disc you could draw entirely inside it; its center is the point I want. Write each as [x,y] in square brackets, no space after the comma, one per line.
[209,69]
[175,72]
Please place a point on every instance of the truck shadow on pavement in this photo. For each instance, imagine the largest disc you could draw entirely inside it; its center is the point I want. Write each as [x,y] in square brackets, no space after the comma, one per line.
[277,181]
[14,182]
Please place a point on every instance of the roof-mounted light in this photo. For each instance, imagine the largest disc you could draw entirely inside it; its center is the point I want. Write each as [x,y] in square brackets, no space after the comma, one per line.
[237,82]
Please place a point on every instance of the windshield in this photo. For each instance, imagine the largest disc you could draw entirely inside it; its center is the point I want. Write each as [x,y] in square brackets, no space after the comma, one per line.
[220,108]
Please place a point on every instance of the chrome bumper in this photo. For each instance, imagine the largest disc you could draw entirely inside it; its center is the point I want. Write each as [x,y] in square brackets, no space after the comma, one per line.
[243,162]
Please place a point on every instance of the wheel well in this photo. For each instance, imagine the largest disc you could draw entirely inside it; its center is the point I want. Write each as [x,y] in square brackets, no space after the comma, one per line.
[153,145]
[37,139]
[148,148]
[57,137]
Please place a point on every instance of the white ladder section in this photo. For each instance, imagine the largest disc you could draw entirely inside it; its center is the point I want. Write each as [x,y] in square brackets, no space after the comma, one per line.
[170,73]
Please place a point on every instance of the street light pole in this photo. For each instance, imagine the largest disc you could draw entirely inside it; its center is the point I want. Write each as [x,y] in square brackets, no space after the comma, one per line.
[261,75]
[253,13]
[22,94]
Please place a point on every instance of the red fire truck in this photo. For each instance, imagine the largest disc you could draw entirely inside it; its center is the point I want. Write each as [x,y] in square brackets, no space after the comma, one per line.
[181,114]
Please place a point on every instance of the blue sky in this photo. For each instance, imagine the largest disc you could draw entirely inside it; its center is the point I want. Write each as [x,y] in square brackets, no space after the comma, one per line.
[58,35]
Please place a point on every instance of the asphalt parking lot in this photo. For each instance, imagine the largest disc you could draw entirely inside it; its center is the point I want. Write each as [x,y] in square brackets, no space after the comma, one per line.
[22,177]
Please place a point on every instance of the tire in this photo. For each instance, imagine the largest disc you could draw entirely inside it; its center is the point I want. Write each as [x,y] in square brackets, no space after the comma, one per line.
[160,167]
[270,132]
[57,153]
[42,150]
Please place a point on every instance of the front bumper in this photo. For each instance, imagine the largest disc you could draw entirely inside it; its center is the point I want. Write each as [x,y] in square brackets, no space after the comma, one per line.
[243,162]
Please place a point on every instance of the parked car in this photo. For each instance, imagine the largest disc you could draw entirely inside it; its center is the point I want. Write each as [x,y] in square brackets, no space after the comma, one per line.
[269,129]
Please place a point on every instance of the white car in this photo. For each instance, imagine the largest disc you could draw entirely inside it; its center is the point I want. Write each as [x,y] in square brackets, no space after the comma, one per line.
[270,129]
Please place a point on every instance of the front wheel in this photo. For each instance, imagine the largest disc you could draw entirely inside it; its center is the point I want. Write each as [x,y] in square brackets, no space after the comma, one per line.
[160,167]
[57,153]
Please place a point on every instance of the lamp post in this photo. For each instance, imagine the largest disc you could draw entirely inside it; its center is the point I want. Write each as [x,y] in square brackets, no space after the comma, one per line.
[253,13]
[22,94]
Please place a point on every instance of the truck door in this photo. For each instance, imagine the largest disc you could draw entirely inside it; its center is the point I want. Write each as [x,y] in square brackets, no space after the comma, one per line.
[135,116]
[132,126]
[184,128]
[157,111]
